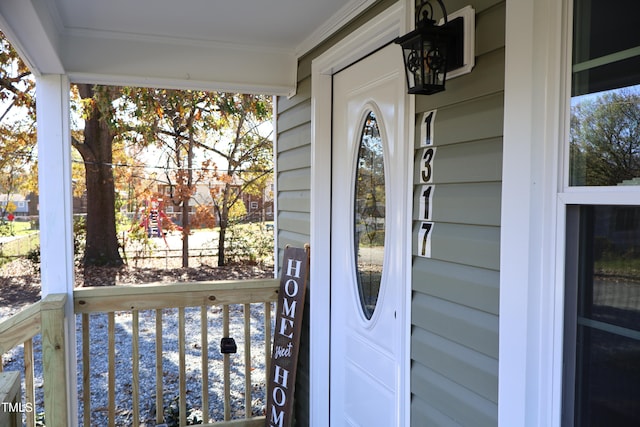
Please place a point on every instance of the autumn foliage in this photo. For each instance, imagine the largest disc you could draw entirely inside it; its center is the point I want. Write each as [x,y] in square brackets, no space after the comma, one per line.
[199,151]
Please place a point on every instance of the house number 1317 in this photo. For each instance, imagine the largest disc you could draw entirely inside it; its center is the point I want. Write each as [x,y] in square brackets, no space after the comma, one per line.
[427,157]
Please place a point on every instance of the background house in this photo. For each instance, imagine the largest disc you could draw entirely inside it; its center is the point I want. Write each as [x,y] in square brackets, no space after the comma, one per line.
[20,202]
[259,207]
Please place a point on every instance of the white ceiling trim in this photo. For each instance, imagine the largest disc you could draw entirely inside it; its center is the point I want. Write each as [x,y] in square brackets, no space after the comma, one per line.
[348,12]
[37,31]
[182,84]
[155,63]
[178,41]
[34,43]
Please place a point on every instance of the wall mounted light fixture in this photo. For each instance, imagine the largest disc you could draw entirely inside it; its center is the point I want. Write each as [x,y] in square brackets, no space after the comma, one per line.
[434,48]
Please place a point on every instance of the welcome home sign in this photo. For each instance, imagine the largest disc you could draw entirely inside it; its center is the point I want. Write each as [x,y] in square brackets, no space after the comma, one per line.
[286,338]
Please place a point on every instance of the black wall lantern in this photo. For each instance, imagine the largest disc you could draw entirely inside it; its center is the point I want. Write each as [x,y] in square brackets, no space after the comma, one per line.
[431,50]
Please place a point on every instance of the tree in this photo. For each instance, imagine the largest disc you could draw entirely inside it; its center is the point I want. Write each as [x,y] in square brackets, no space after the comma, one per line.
[177,122]
[95,145]
[225,128]
[247,152]
[17,123]
[17,87]
[605,139]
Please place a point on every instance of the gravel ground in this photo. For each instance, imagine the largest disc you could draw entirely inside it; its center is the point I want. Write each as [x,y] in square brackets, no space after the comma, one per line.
[20,287]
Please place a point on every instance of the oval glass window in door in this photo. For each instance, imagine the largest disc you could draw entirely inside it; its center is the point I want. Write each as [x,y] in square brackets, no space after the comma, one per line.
[369,215]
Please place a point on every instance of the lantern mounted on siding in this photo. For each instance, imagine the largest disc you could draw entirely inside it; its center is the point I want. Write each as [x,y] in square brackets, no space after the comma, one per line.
[432,50]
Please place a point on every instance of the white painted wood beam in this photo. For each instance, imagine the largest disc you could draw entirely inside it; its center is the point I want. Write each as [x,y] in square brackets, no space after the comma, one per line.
[55,209]
[179,64]
[32,34]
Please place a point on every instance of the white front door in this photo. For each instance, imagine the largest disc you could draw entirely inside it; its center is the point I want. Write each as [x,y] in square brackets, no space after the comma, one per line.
[369,229]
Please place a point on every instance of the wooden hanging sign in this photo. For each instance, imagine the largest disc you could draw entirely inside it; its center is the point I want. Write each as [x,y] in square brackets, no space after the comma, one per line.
[286,338]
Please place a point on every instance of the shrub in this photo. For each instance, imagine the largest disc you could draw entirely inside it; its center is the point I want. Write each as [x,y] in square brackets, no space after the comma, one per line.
[172,414]
[249,244]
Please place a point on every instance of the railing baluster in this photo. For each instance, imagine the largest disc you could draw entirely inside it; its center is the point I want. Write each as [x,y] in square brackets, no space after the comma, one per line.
[226,365]
[177,299]
[159,374]
[30,393]
[135,368]
[112,368]
[182,375]
[204,343]
[267,339]
[248,411]
[86,370]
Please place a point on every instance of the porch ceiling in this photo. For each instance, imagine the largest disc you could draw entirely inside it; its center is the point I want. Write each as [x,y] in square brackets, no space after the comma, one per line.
[239,45]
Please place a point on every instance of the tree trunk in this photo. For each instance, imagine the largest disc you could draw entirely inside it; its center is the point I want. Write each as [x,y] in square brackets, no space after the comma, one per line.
[224,223]
[101,241]
[186,228]
[185,234]
[221,237]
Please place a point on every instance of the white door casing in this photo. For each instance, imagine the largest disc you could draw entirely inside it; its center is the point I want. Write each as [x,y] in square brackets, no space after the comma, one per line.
[377,32]
[367,355]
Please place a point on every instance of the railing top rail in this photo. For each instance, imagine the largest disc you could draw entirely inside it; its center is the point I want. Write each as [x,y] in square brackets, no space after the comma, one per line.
[53,302]
[168,295]
[26,324]
[248,422]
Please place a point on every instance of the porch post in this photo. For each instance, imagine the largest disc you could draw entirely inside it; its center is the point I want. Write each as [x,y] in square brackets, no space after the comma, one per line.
[531,260]
[55,210]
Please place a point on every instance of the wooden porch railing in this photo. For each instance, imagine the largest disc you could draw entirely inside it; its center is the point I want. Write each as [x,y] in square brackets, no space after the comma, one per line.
[154,304]
[45,317]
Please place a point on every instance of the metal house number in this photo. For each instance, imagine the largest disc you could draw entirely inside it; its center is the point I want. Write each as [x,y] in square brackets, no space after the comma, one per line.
[427,157]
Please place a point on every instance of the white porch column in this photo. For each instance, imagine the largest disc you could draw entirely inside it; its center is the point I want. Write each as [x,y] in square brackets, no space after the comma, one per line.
[531,288]
[55,209]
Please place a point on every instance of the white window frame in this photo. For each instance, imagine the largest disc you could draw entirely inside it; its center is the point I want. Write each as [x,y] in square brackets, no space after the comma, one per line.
[580,195]
[535,195]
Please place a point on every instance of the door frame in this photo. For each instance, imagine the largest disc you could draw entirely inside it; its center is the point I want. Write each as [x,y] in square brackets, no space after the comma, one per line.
[376,33]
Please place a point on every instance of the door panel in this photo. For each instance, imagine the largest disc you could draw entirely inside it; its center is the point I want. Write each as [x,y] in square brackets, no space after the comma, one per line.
[368,242]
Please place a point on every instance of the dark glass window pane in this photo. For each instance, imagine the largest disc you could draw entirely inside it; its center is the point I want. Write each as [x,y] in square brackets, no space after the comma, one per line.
[603,29]
[608,379]
[607,347]
[369,215]
[605,105]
